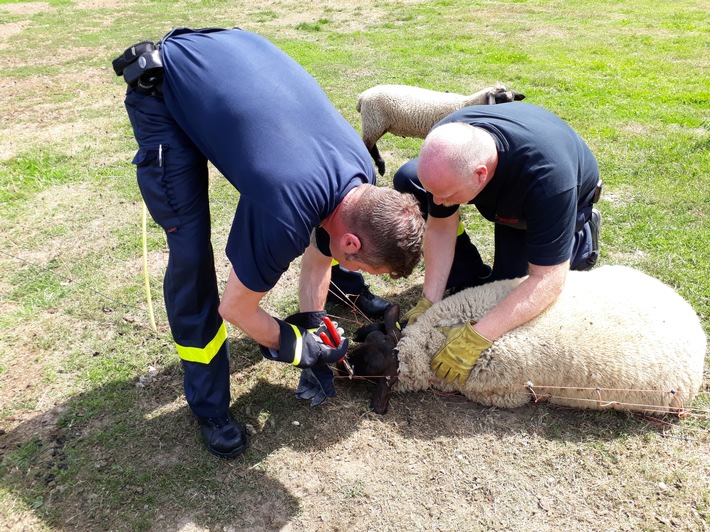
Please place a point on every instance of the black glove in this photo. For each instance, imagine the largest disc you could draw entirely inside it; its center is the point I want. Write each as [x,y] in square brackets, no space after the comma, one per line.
[316,383]
[315,322]
[307,320]
[303,349]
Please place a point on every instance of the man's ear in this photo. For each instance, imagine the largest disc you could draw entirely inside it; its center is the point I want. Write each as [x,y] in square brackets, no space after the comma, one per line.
[349,243]
[481,173]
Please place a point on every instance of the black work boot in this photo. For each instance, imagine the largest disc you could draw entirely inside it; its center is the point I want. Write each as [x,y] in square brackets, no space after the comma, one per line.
[350,286]
[595,223]
[370,305]
[223,437]
[467,269]
[585,262]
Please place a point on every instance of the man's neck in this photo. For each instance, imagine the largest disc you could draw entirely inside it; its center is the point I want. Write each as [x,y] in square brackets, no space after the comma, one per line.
[334,221]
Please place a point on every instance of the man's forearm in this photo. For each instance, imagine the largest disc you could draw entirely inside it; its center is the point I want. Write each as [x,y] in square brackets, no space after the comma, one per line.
[240,307]
[527,301]
[261,327]
[439,246]
[314,280]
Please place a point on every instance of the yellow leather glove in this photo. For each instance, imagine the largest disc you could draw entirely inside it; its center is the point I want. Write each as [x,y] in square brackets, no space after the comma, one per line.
[460,352]
[421,307]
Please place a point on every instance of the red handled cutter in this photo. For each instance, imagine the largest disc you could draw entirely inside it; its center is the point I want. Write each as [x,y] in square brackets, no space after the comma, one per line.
[334,339]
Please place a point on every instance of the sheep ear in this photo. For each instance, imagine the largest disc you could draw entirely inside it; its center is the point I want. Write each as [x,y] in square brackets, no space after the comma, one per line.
[381,396]
[363,332]
[392,325]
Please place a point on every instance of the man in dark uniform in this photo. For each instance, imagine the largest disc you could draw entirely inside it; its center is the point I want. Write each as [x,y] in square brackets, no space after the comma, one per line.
[306,184]
[528,172]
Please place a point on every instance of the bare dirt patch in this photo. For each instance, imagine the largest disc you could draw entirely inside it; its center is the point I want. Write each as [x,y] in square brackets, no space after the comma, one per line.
[10,29]
[62,110]
[25,8]
[99,4]
[345,16]
[434,462]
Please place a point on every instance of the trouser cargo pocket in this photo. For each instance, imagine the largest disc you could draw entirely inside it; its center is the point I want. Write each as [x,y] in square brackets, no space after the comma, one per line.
[155,188]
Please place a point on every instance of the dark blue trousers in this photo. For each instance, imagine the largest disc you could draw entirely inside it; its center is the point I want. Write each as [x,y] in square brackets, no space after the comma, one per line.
[173,179]
[510,258]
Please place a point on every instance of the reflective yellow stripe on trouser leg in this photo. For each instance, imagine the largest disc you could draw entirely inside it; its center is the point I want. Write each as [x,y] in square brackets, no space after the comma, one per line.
[205,354]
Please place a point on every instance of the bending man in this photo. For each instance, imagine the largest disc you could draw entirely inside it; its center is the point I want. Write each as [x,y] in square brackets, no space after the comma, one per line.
[306,184]
[529,173]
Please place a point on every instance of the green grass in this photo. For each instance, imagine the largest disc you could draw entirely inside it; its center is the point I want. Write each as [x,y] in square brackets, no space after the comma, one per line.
[630,77]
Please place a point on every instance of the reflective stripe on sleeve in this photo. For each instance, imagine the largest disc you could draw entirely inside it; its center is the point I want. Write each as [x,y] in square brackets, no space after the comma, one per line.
[298,346]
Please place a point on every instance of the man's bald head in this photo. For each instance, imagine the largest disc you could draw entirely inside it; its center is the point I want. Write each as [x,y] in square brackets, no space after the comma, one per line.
[455,162]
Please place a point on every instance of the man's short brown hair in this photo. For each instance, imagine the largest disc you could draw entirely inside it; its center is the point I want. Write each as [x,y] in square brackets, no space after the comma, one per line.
[390,227]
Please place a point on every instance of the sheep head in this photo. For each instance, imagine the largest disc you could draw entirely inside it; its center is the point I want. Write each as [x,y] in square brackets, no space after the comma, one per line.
[376,356]
[500,94]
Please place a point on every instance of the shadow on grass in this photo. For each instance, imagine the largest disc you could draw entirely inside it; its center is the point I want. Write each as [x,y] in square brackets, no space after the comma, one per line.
[428,415]
[129,457]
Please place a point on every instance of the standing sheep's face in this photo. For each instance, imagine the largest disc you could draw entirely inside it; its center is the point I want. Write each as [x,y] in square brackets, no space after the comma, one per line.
[501,95]
[376,357]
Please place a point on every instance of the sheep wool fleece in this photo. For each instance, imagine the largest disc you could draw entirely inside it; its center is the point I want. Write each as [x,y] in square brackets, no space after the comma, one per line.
[615,338]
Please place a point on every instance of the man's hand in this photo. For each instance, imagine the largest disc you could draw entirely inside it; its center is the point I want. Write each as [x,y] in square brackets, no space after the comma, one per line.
[460,352]
[319,324]
[316,384]
[330,333]
[413,315]
[304,349]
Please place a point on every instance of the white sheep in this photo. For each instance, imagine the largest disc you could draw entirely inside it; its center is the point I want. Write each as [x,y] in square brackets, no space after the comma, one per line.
[615,338]
[412,111]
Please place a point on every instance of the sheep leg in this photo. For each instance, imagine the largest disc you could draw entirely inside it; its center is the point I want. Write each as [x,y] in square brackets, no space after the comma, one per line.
[379,161]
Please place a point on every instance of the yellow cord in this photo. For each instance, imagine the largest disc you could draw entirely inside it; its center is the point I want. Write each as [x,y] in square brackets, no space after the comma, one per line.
[145,268]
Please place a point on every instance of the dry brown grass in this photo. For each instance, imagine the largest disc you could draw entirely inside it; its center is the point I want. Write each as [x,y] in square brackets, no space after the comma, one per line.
[432,463]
